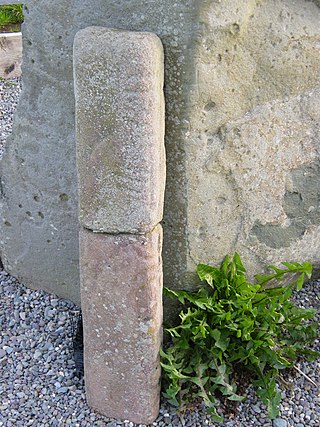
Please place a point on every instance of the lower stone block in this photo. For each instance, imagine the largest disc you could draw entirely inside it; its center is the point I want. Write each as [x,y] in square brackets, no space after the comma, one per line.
[121,297]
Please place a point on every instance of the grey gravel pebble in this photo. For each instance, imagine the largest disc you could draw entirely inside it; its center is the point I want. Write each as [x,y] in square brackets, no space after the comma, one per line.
[9,95]
[38,383]
[279,422]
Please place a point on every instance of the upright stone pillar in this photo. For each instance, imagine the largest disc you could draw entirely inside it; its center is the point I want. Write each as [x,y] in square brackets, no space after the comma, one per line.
[121,177]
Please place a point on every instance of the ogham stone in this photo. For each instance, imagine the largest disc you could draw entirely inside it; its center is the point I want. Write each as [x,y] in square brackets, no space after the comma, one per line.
[121,291]
[120,129]
[121,174]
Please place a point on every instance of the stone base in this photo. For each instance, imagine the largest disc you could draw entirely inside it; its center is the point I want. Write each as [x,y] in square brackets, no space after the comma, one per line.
[121,297]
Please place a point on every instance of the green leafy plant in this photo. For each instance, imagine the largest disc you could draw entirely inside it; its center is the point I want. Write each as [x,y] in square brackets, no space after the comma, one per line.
[231,325]
[11,15]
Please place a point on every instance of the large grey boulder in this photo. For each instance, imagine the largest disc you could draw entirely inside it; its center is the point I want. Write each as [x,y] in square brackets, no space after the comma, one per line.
[242,130]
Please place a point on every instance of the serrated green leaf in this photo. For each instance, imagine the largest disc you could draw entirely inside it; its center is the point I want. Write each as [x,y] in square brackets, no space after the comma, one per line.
[208,273]
[213,414]
[239,264]
[273,406]
[307,269]
[299,282]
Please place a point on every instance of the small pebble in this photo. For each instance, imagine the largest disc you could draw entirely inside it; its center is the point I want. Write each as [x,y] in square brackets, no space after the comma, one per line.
[280,422]
[256,409]
[8,349]
[37,354]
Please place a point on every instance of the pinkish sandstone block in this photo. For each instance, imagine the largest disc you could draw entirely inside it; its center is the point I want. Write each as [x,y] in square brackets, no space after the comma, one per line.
[10,55]
[121,294]
[119,129]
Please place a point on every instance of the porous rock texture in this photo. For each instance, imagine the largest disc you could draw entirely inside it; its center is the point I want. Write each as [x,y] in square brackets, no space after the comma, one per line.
[119,129]
[121,355]
[255,134]
[242,130]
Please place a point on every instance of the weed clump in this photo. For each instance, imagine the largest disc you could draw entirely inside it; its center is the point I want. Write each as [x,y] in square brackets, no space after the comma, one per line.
[231,325]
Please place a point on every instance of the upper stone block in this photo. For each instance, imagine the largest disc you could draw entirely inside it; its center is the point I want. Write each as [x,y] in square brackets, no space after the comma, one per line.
[119,129]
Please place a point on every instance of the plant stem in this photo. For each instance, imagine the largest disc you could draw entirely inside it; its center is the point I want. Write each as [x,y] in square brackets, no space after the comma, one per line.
[305,375]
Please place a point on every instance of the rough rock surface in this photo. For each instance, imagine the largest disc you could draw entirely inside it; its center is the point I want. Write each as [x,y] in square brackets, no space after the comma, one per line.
[122,311]
[254,133]
[119,129]
[241,80]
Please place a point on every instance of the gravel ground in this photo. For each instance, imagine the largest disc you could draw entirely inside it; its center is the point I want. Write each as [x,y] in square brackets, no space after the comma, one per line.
[38,381]
[39,385]
[9,96]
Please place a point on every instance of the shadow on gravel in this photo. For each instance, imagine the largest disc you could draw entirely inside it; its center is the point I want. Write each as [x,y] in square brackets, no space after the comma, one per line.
[78,346]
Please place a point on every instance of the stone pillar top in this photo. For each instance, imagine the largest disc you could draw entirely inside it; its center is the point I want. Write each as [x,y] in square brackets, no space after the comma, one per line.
[120,129]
